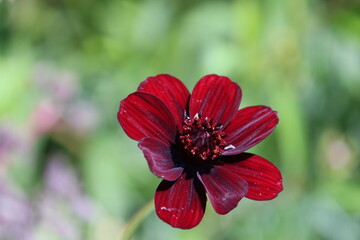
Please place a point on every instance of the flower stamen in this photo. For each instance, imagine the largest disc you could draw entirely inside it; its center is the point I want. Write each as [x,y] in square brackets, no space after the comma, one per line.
[202,138]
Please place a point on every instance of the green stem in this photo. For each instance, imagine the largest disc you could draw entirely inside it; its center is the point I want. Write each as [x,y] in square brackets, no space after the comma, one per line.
[134,222]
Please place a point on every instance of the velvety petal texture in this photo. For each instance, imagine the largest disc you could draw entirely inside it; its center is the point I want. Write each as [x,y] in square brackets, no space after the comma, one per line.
[263,178]
[224,187]
[171,91]
[159,157]
[181,203]
[215,97]
[144,115]
[250,126]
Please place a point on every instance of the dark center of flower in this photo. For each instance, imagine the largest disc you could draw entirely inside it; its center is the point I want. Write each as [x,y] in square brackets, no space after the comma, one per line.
[202,138]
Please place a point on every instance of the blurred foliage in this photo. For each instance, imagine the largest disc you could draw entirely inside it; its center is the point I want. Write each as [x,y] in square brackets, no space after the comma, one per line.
[67,170]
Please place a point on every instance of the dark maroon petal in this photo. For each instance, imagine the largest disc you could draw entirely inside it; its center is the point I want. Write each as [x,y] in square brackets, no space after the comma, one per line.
[144,115]
[264,178]
[250,126]
[159,157]
[181,203]
[215,97]
[171,91]
[225,188]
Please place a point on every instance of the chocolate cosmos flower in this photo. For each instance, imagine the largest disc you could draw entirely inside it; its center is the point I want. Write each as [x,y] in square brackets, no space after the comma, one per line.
[196,144]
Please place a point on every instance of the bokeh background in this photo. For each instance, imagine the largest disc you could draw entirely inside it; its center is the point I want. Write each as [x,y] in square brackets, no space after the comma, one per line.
[68,171]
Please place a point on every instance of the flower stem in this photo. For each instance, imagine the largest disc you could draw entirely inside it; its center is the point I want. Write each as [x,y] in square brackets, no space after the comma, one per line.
[134,222]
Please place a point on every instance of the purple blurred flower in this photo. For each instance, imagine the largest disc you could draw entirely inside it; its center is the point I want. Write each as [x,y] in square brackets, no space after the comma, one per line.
[63,206]
[8,143]
[16,218]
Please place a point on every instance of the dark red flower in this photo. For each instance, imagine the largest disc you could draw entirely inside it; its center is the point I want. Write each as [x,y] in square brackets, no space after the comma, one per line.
[196,144]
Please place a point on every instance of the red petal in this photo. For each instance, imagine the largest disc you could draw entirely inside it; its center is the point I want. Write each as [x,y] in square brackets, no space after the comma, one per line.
[181,203]
[215,97]
[171,91]
[250,126]
[144,115]
[159,157]
[264,178]
[224,188]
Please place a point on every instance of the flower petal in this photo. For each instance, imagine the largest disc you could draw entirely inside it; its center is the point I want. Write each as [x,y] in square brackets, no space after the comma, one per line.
[225,188]
[215,97]
[171,91]
[160,159]
[264,178]
[181,203]
[144,115]
[250,126]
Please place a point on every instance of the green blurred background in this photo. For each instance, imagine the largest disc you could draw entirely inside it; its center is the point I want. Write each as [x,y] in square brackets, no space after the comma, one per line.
[68,171]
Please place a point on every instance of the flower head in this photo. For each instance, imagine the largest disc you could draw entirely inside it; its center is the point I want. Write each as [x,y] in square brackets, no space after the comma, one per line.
[196,142]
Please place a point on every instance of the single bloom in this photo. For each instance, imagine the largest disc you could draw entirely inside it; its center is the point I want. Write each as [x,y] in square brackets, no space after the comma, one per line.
[196,143]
